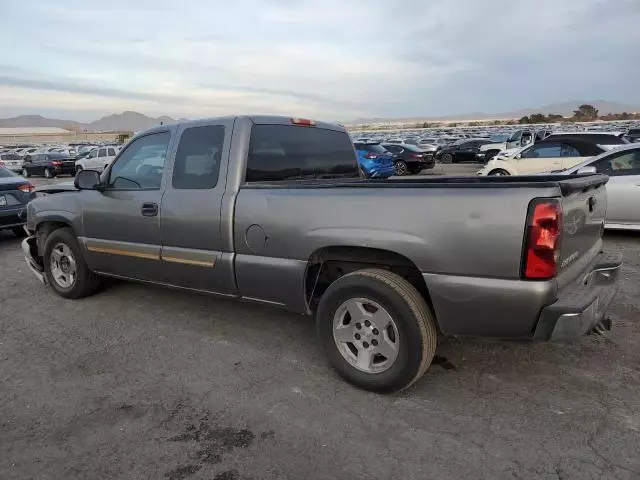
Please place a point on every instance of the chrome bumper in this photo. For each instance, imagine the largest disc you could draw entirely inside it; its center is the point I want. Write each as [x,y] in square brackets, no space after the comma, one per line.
[30,250]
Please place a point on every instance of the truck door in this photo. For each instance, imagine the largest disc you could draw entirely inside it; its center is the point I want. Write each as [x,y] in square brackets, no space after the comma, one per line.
[122,223]
[195,252]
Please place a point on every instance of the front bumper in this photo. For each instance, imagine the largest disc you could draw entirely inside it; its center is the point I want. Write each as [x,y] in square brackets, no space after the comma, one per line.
[30,251]
[583,305]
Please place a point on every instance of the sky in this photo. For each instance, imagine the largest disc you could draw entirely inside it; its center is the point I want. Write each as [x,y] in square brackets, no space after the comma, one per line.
[327,59]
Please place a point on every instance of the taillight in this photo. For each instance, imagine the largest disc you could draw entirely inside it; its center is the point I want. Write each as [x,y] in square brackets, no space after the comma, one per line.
[542,248]
[371,156]
[303,122]
[56,163]
[416,155]
[26,188]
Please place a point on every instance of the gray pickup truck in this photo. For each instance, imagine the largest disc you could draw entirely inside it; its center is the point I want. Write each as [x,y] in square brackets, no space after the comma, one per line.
[272,210]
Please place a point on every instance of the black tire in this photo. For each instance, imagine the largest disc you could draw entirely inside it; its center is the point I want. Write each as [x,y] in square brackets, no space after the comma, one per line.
[446,158]
[19,232]
[79,169]
[48,173]
[26,173]
[499,172]
[86,282]
[416,325]
[415,170]
[401,167]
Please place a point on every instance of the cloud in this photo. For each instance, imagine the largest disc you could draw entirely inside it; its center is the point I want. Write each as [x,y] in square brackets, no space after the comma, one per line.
[330,59]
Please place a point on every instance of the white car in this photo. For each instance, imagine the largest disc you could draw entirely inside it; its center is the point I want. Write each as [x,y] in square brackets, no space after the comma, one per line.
[622,165]
[98,159]
[11,161]
[545,156]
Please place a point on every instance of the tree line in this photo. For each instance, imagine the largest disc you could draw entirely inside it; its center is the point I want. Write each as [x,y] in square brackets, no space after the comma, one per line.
[584,113]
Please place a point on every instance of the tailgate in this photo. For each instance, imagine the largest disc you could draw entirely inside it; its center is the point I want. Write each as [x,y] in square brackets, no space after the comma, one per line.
[584,206]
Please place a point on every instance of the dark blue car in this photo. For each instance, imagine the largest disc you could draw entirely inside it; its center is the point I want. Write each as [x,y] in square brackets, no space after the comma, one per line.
[375,161]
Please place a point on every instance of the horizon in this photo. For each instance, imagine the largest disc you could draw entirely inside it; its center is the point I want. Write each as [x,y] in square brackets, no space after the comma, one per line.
[284,57]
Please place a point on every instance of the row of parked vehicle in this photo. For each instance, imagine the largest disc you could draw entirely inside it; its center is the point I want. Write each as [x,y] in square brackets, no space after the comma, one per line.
[53,161]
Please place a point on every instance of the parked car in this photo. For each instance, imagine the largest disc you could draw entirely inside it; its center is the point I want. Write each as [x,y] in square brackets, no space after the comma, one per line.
[633,135]
[11,161]
[97,159]
[48,164]
[606,140]
[543,156]
[409,158]
[460,151]
[622,165]
[518,139]
[279,216]
[15,193]
[374,160]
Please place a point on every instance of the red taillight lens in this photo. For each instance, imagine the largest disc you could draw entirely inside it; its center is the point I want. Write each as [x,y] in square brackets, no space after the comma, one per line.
[543,239]
[26,188]
[303,122]
[56,163]
[371,156]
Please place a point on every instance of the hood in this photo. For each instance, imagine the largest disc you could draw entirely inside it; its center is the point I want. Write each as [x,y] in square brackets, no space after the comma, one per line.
[57,188]
[493,146]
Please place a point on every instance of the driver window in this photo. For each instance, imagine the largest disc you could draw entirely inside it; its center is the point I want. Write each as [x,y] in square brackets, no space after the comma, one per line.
[93,154]
[141,164]
[626,163]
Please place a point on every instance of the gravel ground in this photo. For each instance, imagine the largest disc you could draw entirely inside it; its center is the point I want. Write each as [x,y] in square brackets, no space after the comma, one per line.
[143,382]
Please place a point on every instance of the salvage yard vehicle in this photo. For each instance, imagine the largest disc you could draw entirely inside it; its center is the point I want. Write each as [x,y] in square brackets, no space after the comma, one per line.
[622,165]
[375,161]
[545,156]
[272,210]
[98,159]
[48,164]
[15,193]
[465,150]
[409,158]
[11,161]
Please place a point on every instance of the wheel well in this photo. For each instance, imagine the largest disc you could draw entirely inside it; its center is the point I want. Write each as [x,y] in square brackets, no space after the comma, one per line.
[330,263]
[44,229]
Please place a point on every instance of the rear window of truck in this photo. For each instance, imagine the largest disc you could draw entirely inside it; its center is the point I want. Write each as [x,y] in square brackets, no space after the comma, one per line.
[289,152]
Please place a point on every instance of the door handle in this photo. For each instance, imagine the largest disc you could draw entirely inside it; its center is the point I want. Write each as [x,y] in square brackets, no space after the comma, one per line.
[149,209]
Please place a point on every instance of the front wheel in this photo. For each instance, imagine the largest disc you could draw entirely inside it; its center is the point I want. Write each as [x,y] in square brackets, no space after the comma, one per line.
[499,172]
[25,173]
[48,173]
[446,158]
[79,169]
[401,167]
[376,329]
[65,268]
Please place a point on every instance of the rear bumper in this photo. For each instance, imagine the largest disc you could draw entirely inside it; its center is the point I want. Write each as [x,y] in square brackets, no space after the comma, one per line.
[583,305]
[13,217]
[30,251]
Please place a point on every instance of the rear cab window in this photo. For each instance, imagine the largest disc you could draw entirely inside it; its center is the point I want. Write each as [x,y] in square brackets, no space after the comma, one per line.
[291,152]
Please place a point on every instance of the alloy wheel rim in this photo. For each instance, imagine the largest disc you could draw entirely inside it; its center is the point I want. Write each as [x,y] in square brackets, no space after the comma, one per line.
[366,335]
[63,266]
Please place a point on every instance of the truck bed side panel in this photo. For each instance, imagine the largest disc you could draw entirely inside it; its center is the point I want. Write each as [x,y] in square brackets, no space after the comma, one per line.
[452,231]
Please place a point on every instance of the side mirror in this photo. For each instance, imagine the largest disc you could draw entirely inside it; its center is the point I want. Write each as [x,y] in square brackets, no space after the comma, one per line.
[87,180]
[590,170]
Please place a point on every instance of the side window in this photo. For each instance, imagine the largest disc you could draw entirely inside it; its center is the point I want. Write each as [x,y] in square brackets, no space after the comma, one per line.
[141,164]
[288,152]
[197,163]
[93,154]
[111,152]
[102,152]
[551,150]
[620,165]
[569,151]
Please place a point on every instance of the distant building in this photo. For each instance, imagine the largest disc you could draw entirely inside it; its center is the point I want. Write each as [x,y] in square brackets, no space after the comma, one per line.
[37,135]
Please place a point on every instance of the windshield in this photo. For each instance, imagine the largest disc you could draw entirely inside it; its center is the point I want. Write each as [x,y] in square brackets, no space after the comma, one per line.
[499,138]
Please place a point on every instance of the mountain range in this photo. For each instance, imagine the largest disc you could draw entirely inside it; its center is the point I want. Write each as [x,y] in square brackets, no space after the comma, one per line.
[126,121]
[134,121]
[565,109]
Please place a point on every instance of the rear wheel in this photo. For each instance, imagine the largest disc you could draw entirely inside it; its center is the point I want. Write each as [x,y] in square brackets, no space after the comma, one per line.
[416,170]
[376,329]
[446,158]
[79,169]
[65,268]
[401,167]
[499,172]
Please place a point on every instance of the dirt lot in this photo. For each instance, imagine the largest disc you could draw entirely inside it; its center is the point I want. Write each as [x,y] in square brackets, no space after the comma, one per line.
[141,382]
